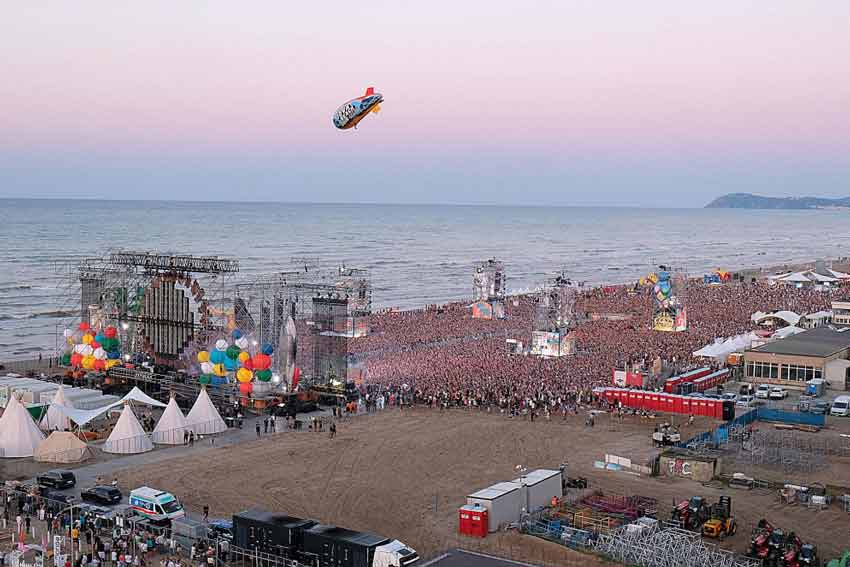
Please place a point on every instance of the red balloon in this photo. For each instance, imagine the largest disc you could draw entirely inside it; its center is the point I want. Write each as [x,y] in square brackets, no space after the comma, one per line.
[261,361]
[246,387]
[76,359]
[95,344]
[249,364]
[99,364]
[110,332]
[84,326]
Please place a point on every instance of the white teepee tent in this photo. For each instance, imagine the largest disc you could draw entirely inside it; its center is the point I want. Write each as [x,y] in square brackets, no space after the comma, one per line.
[55,420]
[128,435]
[19,435]
[62,447]
[171,426]
[203,418]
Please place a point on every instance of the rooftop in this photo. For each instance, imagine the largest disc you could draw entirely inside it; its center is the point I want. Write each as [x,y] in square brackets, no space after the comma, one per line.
[820,342]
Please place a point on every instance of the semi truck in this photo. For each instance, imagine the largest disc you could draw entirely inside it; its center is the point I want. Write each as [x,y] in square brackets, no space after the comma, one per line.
[314,543]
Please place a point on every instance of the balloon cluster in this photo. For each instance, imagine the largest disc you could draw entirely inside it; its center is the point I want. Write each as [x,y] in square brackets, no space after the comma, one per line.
[91,350]
[236,359]
[663,290]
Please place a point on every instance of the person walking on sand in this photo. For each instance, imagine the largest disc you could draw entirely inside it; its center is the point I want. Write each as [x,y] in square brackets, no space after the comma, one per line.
[333,429]
[258,430]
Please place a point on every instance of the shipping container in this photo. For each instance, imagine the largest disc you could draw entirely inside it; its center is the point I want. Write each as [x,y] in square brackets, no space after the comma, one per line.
[332,546]
[540,486]
[503,502]
[269,532]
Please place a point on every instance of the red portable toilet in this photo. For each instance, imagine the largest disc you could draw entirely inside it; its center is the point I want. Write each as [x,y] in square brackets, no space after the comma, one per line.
[473,520]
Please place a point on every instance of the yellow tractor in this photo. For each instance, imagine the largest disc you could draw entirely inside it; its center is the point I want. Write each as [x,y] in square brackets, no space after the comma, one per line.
[722,523]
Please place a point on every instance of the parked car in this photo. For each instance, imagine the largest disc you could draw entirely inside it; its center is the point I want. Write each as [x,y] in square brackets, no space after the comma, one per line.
[820,407]
[763,391]
[58,500]
[220,529]
[57,479]
[730,396]
[745,401]
[778,393]
[840,406]
[102,495]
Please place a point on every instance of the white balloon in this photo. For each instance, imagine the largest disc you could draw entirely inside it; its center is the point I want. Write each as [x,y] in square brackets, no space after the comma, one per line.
[100,354]
[242,343]
[87,350]
[221,344]
[79,348]
[207,367]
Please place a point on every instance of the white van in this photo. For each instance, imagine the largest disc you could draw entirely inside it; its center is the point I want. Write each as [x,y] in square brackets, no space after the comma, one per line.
[840,406]
[157,505]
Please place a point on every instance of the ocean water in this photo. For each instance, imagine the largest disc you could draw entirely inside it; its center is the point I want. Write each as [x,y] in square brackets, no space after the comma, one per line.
[416,254]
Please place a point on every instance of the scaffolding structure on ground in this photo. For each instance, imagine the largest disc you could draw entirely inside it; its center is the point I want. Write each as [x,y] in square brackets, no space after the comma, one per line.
[666,546]
[791,451]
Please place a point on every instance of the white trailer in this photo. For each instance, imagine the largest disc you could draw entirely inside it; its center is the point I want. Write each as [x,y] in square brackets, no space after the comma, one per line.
[539,486]
[503,502]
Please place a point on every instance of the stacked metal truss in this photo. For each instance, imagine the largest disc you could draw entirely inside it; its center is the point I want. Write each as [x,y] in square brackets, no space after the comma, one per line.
[666,547]
[783,449]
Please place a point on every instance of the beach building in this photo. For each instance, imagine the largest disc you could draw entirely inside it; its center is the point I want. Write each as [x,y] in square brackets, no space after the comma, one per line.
[841,312]
[822,352]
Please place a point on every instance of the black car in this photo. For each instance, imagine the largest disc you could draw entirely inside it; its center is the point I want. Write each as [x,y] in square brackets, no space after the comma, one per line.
[57,479]
[102,494]
[58,500]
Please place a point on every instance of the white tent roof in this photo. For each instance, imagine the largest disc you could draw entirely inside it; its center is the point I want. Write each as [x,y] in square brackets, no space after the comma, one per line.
[788,316]
[54,419]
[128,435]
[82,417]
[787,332]
[62,447]
[19,435]
[838,275]
[137,395]
[795,277]
[820,277]
[203,418]
[722,348]
[171,426]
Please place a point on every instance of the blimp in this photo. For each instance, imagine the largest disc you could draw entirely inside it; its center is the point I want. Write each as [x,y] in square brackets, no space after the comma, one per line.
[352,112]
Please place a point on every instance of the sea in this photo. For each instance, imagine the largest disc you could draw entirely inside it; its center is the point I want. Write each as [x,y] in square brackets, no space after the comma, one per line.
[416,255]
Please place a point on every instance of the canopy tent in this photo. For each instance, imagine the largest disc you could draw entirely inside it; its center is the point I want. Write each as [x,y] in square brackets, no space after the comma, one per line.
[788,317]
[721,348]
[127,436]
[137,395]
[62,447]
[787,332]
[203,418]
[171,426]
[54,419]
[19,434]
[838,275]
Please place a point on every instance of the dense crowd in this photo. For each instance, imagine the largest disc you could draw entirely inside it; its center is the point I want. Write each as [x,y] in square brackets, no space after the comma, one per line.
[442,355]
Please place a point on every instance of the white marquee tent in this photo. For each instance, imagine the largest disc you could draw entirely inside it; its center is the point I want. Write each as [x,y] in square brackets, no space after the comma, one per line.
[128,436]
[203,418]
[19,434]
[54,419]
[721,348]
[171,426]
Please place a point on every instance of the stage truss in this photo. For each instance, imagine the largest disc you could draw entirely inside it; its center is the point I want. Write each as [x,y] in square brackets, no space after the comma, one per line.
[163,305]
[554,318]
[489,286]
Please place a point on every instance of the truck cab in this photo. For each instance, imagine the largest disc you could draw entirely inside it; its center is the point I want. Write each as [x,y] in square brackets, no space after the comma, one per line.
[157,505]
[394,554]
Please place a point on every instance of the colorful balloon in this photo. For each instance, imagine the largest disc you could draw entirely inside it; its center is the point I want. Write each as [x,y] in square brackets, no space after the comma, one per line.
[219,370]
[88,362]
[236,334]
[242,343]
[246,388]
[99,364]
[84,326]
[204,379]
[203,356]
[264,375]
[267,349]
[217,356]
[243,356]
[261,361]
[87,339]
[221,344]
[110,332]
[244,375]
[207,367]
[233,352]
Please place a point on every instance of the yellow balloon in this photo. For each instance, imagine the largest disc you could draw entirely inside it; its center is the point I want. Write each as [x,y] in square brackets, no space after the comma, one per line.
[243,356]
[111,362]
[88,362]
[244,375]
[203,356]
[219,370]
[87,339]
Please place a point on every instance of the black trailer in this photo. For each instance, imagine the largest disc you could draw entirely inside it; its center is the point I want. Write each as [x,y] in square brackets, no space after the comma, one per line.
[339,547]
[277,534]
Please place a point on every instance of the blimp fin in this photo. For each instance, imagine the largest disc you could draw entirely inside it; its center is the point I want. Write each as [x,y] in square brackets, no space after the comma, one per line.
[369,91]
[376,109]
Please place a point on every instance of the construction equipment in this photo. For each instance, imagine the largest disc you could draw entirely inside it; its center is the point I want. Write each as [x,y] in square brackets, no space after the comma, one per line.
[759,541]
[721,523]
[843,562]
[568,482]
[691,514]
[665,435]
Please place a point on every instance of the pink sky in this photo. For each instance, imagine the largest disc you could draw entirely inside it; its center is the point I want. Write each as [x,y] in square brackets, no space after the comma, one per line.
[561,78]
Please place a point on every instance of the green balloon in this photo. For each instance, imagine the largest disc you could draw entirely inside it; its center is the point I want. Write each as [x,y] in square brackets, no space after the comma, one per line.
[233,352]
[263,375]
[66,359]
[204,379]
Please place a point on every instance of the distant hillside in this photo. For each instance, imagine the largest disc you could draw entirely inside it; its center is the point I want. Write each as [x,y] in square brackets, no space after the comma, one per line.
[750,201]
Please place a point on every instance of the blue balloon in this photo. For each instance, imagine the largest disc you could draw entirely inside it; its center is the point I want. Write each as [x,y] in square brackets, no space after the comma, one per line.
[99,338]
[237,334]
[217,357]
[113,355]
[231,364]
[219,380]
[267,349]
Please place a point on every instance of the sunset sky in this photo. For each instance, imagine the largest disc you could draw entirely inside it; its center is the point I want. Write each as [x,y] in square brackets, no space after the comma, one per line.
[594,103]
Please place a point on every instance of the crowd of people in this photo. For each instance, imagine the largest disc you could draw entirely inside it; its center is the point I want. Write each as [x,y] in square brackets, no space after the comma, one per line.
[441,355]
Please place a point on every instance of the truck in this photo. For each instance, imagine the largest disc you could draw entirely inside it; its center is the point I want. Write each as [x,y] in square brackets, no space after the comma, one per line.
[665,435]
[312,543]
[156,505]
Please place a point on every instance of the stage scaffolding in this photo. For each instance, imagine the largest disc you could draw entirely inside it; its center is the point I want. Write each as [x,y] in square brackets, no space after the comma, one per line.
[554,318]
[165,305]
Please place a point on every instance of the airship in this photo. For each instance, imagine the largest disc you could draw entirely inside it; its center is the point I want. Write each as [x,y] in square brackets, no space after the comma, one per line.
[352,112]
